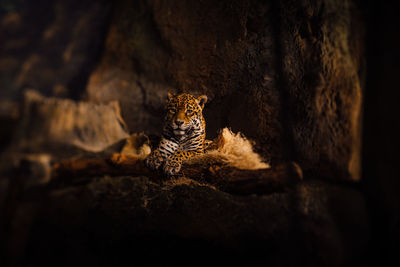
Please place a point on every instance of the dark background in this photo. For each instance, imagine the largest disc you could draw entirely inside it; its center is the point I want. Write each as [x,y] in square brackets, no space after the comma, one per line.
[381,130]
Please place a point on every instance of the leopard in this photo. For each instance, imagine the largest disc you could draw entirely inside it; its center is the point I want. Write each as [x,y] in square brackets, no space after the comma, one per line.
[183,134]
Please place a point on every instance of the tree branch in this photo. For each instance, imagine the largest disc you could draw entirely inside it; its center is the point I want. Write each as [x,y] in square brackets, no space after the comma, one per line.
[225,178]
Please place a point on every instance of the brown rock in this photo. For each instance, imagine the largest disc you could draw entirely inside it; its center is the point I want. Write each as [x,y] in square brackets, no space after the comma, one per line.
[320,45]
[175,46]
[176,221]
[51,123]
[286,75]
[50,44]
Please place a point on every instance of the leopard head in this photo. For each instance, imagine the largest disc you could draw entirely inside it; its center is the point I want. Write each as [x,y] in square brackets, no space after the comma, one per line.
[184,113]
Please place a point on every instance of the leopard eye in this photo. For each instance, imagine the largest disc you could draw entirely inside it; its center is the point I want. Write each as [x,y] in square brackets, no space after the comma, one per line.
[172,110]
[189,111]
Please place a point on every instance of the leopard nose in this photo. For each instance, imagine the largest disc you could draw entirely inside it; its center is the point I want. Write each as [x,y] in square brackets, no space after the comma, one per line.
[178,122]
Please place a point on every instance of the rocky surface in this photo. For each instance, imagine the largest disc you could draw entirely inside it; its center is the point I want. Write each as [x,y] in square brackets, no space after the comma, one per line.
[183,222]
[320,42]
[270,70]
[48,124]
[50,46]
[288,75]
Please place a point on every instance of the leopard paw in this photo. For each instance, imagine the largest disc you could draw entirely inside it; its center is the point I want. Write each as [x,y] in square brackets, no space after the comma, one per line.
[172,167]
[154,160]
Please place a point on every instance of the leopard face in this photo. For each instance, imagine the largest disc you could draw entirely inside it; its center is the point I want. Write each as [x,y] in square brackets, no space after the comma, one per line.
[184,115]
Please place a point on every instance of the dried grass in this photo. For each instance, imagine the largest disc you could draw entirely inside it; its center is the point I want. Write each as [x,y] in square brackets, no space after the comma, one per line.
[234,150]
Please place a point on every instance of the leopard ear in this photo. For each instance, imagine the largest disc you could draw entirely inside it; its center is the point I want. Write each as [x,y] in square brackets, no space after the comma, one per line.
[170,96]
[201,100]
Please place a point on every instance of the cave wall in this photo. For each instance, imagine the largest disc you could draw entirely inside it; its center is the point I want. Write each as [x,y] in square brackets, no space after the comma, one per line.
[286,74]
[322,61]
[50,46]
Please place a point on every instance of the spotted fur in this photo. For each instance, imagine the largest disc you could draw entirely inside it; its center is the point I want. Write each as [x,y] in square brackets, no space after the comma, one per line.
[183,134]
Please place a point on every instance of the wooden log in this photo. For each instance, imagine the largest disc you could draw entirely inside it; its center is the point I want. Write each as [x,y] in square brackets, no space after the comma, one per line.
[225,178]
[260,181]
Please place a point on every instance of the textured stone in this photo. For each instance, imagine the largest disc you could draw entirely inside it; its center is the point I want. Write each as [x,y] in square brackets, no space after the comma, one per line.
[285,74]
[321,44]
[50,46]
[155,46]
[50,123]
[108,217]
[288,75]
